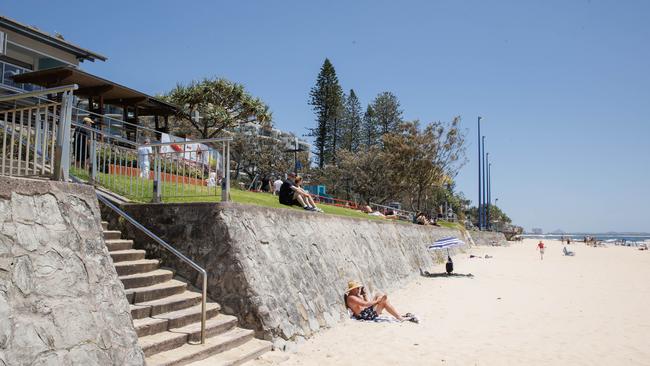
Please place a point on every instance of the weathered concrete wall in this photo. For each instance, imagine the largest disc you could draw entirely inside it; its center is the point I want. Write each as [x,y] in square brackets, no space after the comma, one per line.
[61,302]
[281,271]
[488,238]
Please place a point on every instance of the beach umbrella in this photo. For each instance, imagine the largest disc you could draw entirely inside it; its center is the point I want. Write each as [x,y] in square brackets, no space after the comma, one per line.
[445,244]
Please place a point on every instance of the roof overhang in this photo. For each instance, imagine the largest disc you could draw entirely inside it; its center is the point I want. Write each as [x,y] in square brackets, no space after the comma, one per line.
[91,86]
[36,34]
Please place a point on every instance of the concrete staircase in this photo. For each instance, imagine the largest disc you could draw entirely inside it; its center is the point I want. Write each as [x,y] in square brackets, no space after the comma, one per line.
[166,314]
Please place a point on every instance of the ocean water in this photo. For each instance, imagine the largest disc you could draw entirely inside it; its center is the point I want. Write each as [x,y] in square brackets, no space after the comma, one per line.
[629,239]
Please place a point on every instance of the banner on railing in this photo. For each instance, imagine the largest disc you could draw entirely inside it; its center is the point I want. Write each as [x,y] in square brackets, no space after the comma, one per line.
[192,152]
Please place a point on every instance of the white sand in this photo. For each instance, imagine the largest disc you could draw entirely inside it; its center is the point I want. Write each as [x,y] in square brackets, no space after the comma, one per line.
[591,309]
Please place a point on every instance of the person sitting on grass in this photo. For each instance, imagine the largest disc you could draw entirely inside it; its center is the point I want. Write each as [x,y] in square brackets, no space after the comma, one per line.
[307,196]
[356,299]
[369,211]
[292,195]
[421,219]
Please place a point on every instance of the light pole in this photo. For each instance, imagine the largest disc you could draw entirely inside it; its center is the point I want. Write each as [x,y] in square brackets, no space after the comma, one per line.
[484,199]
[489,190]
[478,206]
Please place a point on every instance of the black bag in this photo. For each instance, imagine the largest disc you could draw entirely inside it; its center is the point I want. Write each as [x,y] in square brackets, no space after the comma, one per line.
[450,265]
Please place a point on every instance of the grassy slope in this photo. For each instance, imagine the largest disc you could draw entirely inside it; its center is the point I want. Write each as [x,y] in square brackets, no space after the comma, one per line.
[121,185]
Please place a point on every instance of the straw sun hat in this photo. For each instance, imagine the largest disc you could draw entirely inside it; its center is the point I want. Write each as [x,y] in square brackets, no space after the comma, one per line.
[352,285]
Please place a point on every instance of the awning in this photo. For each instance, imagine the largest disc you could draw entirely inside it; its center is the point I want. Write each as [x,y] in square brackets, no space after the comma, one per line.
[95,86]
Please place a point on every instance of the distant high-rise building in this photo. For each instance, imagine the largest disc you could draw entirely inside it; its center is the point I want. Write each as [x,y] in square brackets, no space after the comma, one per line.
[537,231]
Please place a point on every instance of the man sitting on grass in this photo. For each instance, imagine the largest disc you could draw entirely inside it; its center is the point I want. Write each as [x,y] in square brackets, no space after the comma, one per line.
[293,195]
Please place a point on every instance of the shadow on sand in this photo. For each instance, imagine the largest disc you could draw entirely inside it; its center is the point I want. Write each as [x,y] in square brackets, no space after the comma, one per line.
[444,274]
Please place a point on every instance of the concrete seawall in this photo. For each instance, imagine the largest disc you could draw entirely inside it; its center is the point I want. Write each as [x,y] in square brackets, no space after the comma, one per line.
[61,302]
[488,238]
[281,271]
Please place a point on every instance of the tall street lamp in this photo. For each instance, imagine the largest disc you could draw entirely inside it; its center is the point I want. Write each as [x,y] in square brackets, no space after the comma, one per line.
[489,190]
[478,206]
[484,184]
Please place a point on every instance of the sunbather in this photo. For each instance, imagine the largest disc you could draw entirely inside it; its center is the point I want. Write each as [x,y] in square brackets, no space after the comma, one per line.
[369,211]
[356,298]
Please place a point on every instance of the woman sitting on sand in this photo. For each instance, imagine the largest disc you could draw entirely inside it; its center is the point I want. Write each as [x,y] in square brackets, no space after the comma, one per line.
[356,299]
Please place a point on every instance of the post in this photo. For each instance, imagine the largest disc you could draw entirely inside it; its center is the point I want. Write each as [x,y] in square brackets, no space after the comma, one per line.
[93,158]
[62,149]
[489,192]
[483,182]
[224,194]
[227,170]
[156,176]
[478,206]
[203,305]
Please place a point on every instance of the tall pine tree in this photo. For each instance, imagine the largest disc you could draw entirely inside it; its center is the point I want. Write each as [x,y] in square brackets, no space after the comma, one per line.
[387,112]
[369,132]
[326,98]
[351,123]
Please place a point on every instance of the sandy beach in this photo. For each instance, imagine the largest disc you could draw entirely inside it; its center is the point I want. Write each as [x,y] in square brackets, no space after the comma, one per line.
[591,309]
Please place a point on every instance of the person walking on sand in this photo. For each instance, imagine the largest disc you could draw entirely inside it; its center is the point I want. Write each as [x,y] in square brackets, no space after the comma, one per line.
[540,246]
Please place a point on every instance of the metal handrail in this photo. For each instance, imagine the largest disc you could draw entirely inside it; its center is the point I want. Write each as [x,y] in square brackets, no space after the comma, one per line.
[189,142]
[180,255]
[39,93]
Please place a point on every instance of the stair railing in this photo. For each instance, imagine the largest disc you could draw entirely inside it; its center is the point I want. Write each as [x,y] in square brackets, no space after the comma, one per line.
[178,254]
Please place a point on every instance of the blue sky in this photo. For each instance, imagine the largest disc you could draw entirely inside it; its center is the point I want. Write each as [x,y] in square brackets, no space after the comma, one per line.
[563,86]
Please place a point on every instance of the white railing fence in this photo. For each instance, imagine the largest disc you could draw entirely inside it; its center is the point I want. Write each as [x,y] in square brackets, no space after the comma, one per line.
[51,139]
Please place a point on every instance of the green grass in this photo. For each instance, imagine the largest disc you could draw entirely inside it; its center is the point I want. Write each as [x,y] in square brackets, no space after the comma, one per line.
[451,225]
[193,193]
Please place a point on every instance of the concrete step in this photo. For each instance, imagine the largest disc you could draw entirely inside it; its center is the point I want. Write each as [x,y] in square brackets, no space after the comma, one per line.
[250,350]
[118,244]
[104,225]
[213,326]
[146,278]
[161,342]
[112,234]
[139,311]
[183,317]
[149,326]
[133,267]
[188,353]
[127,255]
[172,303]
[177,337]
[153,292]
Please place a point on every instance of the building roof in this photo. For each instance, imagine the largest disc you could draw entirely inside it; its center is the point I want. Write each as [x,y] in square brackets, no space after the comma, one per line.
[95,86]
[54,41]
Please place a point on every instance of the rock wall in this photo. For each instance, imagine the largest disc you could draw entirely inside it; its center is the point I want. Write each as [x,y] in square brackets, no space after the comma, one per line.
[282,271]
[488,238]
[61,302]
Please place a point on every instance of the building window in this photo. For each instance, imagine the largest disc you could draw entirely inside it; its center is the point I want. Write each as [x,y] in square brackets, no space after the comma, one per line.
[8,71]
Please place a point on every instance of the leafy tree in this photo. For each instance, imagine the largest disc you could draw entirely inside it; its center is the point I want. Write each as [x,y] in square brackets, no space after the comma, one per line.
[262,155]
[359,176]
[220,103]
[424,158]
[387,112]
[326,100]
[351,123]
[497,216]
